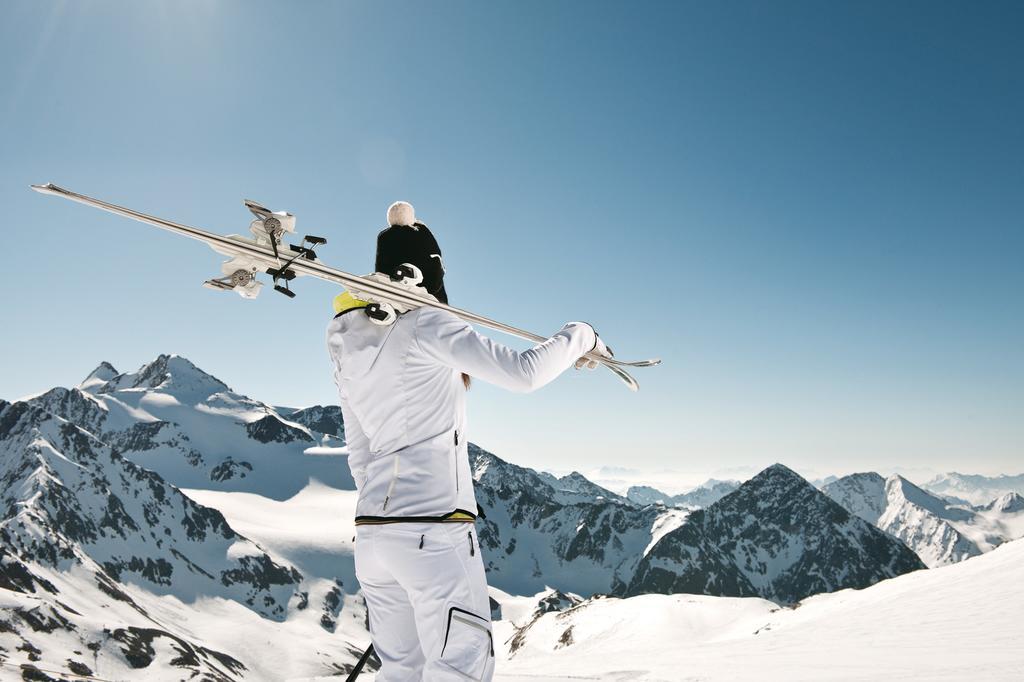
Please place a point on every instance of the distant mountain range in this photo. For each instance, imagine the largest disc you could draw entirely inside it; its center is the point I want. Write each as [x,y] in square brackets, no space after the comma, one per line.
[939,531]
[776,537]
[116,556]
[975,489]
[703,495]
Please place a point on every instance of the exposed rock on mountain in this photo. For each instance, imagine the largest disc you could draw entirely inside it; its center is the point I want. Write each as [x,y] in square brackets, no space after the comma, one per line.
[271,429]
[776,537]
[535,536]
[84,532]
[69,497]
[324,419]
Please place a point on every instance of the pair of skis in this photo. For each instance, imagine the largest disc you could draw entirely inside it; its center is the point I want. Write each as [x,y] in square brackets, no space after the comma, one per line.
[284,265]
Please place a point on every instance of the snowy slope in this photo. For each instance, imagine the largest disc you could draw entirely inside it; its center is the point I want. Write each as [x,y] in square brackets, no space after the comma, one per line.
[313,530]
[959,622]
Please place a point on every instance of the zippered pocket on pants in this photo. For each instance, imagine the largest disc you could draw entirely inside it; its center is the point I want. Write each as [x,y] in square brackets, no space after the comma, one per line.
[468,644]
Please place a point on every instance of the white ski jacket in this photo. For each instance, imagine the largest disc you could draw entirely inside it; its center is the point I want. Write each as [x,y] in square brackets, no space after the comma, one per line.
[404,404]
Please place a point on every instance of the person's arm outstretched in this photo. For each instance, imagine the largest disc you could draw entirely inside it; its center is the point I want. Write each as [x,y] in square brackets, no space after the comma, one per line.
[452,341]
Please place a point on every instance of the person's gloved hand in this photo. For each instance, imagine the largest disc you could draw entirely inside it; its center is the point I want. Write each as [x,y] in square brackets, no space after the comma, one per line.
[599,349]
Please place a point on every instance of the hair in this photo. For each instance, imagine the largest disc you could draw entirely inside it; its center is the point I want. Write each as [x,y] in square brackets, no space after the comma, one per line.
[466,381]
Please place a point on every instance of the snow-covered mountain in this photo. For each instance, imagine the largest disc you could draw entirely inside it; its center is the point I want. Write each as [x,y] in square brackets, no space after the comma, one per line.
[146,509]
[1010,503]
[70,499]
[576,484]
[645,494]
[536,535]
[926,523]
[976,489]
[959,622]
[863,494]
[188,426]
[776,537]
[705,494]
[939,532]
[102,556]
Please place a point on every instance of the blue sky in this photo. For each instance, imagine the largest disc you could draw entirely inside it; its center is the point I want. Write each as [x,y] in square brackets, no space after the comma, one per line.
[811,211]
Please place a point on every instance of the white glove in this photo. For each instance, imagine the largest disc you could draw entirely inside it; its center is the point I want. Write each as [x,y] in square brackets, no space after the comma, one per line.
[599,349]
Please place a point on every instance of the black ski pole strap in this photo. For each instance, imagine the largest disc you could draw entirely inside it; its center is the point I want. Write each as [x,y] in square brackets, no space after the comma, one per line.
[359,666]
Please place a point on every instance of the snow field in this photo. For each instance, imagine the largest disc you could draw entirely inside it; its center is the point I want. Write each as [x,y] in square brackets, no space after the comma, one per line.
[957,622]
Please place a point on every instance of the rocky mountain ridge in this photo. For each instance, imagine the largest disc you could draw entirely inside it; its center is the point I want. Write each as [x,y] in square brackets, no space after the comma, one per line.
[941,532]
[776,537]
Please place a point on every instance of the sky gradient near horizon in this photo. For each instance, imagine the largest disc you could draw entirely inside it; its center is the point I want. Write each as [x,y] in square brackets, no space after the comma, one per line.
[813,212]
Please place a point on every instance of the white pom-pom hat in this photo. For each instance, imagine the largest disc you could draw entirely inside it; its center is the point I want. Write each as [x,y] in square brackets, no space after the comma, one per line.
[401,213]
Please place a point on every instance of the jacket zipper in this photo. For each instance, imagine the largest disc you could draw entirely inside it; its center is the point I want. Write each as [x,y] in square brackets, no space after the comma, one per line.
[472,549]
[391,486]
[456,460]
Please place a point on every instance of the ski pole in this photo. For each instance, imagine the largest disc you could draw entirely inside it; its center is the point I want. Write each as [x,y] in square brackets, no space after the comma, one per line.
[359,665]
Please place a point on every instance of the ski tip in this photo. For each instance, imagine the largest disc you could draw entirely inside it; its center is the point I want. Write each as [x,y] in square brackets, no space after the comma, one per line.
[48,188]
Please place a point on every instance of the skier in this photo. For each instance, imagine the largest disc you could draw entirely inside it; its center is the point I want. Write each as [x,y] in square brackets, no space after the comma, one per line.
[402,387]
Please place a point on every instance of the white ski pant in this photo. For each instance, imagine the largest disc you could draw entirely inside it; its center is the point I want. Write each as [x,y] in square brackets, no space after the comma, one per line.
[425,588]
